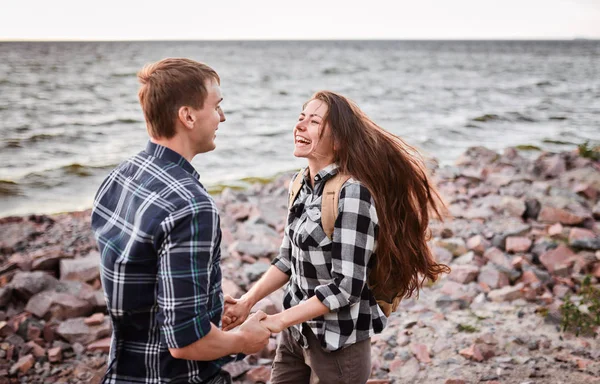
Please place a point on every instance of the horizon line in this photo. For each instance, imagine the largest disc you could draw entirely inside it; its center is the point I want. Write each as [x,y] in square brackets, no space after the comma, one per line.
[100,40]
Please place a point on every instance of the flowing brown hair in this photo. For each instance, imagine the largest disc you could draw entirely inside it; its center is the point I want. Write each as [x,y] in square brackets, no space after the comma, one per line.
[404,196]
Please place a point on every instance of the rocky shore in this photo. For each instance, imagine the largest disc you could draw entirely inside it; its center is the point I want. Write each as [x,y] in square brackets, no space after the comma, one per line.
[523,237]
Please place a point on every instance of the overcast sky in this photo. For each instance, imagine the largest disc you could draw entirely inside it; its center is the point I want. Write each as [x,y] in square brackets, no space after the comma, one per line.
[306,19]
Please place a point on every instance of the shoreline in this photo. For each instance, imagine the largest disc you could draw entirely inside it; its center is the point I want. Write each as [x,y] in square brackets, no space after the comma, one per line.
[524,234]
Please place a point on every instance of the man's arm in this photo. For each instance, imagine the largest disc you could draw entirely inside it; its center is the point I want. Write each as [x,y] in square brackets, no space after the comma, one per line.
[187,238]
[251,338]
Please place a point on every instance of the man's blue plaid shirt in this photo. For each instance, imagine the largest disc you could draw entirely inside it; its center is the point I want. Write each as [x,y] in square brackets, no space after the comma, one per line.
[158,233]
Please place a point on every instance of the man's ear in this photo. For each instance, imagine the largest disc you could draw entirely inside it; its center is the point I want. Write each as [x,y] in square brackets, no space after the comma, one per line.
[186,117]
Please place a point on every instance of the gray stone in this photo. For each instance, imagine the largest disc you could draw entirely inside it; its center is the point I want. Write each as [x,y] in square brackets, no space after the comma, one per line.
[27,284]
[82,269]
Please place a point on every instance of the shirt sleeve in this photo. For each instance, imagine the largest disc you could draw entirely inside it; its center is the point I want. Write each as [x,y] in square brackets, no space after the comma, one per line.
[184,268]
[354,242]
[284,259]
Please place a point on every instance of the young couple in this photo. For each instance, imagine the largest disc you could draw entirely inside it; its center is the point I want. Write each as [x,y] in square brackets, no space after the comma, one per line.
[159,237]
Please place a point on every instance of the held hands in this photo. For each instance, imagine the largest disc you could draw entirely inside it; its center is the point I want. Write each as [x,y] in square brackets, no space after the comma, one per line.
[273,323]
[236,311]
[255,335]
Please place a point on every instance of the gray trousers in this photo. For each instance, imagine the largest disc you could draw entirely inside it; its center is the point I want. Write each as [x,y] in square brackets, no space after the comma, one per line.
[314,365]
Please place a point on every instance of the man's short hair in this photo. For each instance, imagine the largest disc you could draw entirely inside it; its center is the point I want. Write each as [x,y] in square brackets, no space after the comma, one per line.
[169,84]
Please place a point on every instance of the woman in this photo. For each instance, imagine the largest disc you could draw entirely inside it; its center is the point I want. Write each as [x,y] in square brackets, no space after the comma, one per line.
[378,245]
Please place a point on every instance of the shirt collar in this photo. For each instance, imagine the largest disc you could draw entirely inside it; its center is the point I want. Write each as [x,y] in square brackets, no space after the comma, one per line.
[324,174]
[169,155]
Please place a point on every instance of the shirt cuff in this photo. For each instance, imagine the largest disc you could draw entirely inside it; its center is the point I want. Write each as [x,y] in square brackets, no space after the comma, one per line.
[331,296]
[184,334]
[283,265]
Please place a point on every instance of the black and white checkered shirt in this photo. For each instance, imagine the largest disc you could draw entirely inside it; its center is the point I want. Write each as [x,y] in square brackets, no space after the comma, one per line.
[334,270]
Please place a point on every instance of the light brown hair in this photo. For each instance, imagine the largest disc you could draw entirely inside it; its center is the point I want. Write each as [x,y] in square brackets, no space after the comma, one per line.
[168,85]
[404,196]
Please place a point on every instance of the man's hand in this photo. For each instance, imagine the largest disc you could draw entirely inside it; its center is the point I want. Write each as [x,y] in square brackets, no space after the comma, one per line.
[273,323]
[255,335]
[236,311]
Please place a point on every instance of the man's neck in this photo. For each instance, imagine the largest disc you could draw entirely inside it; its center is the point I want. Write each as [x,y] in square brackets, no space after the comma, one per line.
[178,144]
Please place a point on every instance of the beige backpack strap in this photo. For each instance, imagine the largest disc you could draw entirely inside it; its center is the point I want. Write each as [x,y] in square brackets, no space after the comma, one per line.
[296,186]
[329,202]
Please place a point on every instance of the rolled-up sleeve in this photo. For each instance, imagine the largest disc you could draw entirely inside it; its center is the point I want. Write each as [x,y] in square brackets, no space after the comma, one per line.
[184,268]
[283,260]
[354,241]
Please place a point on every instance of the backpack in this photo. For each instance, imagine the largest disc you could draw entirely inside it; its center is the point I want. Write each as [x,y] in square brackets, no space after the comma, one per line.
[329,213]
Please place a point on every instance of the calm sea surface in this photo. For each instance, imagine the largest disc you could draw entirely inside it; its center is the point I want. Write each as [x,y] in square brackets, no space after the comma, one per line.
[69,111]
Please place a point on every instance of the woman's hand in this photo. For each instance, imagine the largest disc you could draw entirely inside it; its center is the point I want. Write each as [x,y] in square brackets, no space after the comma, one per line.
[274,323]
[236,311]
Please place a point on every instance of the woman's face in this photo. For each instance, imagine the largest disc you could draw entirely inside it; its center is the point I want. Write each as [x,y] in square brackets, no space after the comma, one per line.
[309,142]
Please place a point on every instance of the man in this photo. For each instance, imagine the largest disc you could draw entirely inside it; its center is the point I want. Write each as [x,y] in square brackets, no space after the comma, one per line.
[159,238]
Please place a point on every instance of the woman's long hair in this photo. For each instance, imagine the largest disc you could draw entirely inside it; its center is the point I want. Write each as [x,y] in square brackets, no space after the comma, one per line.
[404,196]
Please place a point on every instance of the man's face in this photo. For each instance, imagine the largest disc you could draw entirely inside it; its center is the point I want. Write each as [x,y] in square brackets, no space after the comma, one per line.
[207,119]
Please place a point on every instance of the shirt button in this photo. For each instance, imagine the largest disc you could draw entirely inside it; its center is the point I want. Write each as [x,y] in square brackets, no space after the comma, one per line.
[317,178]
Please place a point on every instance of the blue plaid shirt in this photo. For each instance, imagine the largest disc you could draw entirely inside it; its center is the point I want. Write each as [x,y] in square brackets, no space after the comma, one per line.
[158,233]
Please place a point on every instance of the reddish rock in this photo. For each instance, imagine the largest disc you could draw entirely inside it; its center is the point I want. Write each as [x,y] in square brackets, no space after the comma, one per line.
[596,271]
[36,350]
[260,374]
[33,331]
[506,294]
[583,363]
[497,257]
[27,284]
[557,258]
[58,305]
[378,381]
[464,273]
[24,364]
[100,345]
[586,190]
[560,291]
[472,353]
[557,215]
[492,277]
[75,330]
[580,234]
[477,244]
[518,244]
[555,229]
[95,319]
[230,288]
[528,278]
[455,381]
[47,258]
[421,352]
[6,329]
[55,355]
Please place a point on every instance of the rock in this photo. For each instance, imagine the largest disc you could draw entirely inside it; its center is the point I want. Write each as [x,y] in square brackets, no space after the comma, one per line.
[24,364]
[506,294]
[472,353]
[421,352]
[55,355]
[532,209]
[82,269]
[5,296]
[442,255]
[405,370]
[477,244]
[517,244]
[35,349]
[512,205]
[455,245]
[256,270]
[100,345]
[60,306]
[592,244]
[230,288]
[497,257]
[555,229]
[557,215]
[27,284]
[237,368]
[580,234]
[260,374]
[557,258]
[464,274]
[455,381]
[252,249]
[95,319]
[47,258]
[75,330]
[492,277]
